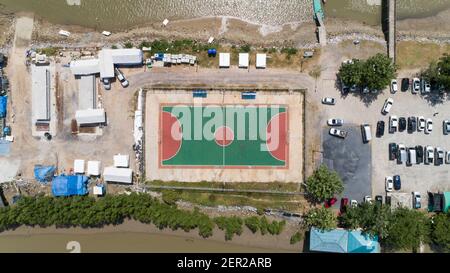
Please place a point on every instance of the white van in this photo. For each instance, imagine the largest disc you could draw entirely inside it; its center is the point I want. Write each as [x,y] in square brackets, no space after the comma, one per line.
[366,132]
[412,158]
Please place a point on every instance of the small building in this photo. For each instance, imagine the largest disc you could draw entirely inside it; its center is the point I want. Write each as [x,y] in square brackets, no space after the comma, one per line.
[40,94]
[224,60]
[119,175]
[78,166]
[261,60]
[93,168]
[121,161]
[243,60]
[90,117]
[85,67]
[342,241]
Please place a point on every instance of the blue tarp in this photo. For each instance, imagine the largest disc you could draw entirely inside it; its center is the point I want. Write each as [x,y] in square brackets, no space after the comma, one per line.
[44,174]
[70,185]
[3,105]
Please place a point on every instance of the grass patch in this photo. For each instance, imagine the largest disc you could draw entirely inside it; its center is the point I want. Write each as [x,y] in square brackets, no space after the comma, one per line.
[419,55]
[275,186]
[49,51]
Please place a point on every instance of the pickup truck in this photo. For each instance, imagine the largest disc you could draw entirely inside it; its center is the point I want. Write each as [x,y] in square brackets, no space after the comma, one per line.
[338,133]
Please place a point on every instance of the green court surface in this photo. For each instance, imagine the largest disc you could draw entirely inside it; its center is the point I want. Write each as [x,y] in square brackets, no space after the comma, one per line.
[233,136]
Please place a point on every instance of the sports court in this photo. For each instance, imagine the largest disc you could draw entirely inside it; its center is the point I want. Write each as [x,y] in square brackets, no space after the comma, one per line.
[223,137]
[230,136]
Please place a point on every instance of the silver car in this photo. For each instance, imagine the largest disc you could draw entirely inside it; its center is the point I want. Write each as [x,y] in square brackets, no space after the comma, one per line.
[329,101]
[429,155]
[335,122]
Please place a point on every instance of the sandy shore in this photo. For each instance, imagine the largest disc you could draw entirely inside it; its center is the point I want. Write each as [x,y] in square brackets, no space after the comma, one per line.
[266,243]
[234,31]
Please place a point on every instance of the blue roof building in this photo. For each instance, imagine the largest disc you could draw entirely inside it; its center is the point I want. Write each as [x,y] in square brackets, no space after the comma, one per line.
[342,241]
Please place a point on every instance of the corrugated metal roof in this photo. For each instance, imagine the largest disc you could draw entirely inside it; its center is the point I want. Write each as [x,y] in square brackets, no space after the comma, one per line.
[90,116]
[87,93]
[40,89]
[85,67]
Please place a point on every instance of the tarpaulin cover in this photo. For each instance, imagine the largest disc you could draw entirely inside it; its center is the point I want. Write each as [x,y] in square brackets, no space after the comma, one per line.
[3,103]
[44,174]
[69,185]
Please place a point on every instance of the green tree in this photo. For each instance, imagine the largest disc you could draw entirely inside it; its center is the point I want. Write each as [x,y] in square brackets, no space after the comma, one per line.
[378,71]
[444,72]
[351,73]
[128,45]
[321,218]
[371,218]
[324,184]
[440,232]
[297,237]
[407,230]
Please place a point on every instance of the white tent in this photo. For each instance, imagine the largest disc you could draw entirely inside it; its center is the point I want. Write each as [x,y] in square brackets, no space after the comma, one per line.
[93,168]
[85,67]
[121,175]
[261,60]
[243,60]
[224,60]
[78,166]
[121,161]
[90,116]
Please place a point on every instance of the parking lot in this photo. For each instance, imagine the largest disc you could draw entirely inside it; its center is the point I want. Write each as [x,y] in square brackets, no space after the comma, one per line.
[356,110]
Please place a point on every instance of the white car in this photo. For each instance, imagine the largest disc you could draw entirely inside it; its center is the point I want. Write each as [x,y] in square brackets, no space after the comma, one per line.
[429,126]
[447,157]
[417,200]
[335,122]
[387,106]
[393,123]
[353,203]
[429,155]
[338,133]
[389,183]
[421,123]
[394,86]
[426,87]
[329,101]
[365,90]
[367,199]
[415,87]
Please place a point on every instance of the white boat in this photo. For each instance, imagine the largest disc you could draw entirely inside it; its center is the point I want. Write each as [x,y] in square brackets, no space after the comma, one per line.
[64,33]
[106,33]
[210,40]
[165,22]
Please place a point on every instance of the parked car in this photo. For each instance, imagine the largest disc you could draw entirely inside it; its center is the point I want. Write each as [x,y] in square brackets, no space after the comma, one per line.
[421,123]
[353,88]
[419,153]
[425,86]
[335,122]
[397,183]
[367,199]
[379,200]
[393,150]
[123,81]
[429,155]
[365,90]
[438,156]
[401,154]
[344,205]
[387,106]
[417,200]
[366,132]
[446,127]
[389,181]
[330,202]
[338,133]
[329,101]
[353,203]
[411,124]
[447,157]
[344,88]
[415,88]
[380,128]
[405,84]
[429,126]
[394,86]
[401,124]
[412,157]
[106,83]
[393,124]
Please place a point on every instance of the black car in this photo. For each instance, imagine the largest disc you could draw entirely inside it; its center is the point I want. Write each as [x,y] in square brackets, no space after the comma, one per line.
[380,128]
[412,124]
[393,149]
[402,124]
[419,154]
[405,84]
[379,200]
[388,200]
[397,182]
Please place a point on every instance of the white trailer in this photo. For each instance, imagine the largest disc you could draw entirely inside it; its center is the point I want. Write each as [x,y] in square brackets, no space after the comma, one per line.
[120,175]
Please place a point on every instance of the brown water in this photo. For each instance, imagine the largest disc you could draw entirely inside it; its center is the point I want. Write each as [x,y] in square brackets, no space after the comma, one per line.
[119,14]
[117,242]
